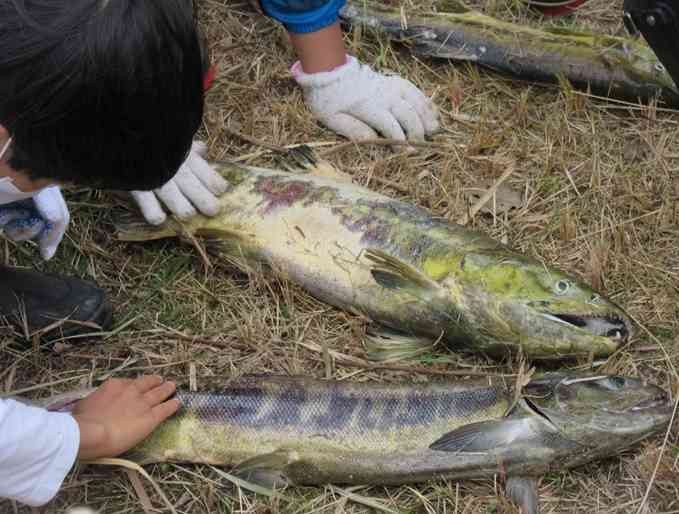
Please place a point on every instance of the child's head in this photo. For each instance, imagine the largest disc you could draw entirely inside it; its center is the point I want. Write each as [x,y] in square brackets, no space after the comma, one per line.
[101,93]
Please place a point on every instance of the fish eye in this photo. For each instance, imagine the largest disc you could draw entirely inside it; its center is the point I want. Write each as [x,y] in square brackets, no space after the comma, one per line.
[616,382]
[562,287]
[613,383]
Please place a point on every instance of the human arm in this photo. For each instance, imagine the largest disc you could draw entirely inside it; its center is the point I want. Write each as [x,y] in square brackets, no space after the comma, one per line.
[38,448]
[345,95]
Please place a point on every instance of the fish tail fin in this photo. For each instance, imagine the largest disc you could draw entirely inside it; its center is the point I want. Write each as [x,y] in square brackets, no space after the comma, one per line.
[387,346]
[132,228]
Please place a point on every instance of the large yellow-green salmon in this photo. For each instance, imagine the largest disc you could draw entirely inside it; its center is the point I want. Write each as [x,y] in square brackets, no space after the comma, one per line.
[403,268]
[298,431]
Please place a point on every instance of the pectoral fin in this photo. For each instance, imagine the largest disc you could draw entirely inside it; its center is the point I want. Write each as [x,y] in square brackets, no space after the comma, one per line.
[488,435]
[392,273]
[386,345]
[524,492]
[267,470]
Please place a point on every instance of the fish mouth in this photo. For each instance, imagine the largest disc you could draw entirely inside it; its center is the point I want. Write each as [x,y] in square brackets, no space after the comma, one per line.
[659,400]
[611,326]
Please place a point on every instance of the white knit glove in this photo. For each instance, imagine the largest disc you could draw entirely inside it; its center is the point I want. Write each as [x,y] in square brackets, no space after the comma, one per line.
[195,186]
[43,218]
[355,101]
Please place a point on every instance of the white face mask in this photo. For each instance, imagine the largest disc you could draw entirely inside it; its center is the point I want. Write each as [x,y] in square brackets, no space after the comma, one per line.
[8,191]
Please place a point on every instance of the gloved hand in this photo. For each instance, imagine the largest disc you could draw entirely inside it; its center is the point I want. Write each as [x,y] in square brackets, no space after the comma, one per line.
[355,101]
[195,186]
[43,218]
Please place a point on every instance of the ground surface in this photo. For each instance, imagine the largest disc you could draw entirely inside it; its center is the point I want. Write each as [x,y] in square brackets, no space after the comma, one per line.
[601,184]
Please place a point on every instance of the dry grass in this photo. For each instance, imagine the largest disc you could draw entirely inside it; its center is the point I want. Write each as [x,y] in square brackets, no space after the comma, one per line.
[601,189]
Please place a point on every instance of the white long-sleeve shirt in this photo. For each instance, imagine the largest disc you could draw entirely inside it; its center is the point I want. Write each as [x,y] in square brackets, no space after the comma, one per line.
[37,450]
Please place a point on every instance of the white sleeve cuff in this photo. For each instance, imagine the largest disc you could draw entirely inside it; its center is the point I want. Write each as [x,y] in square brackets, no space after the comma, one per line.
[37,450]
[49,481]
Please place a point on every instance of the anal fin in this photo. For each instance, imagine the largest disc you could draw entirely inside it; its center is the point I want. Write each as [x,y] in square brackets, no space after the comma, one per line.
[524,492]
[267,470]
[384,345]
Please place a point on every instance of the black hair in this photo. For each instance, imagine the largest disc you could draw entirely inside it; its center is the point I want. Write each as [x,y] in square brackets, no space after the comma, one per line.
[100,93]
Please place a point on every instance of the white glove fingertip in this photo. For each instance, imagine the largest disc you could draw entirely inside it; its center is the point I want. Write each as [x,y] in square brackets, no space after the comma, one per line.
[212,180]
[424,106]
[49,243]
[185,213]
[200,148]
[150,207]
[174,199]
[409,119]
[195,193]
[381,120]
[349,127]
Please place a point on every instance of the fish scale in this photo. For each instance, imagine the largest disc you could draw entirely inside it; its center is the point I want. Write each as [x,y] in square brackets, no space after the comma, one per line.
[289,413]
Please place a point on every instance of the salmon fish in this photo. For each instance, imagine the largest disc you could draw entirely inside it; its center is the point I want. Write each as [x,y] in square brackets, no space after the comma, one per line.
[612,66]
[401,267]
[279,431]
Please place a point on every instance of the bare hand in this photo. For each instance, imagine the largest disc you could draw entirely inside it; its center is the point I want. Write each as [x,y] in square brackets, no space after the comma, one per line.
[121,413]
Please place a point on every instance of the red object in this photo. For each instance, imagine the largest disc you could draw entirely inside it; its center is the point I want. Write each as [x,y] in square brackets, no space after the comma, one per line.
[209,77]
[560,10]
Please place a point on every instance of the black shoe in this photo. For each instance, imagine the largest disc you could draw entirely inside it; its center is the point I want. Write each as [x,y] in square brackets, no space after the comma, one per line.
[52,306]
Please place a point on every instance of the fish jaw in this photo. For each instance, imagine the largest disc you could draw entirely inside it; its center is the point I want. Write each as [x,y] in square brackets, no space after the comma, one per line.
[499,326]
[568,332]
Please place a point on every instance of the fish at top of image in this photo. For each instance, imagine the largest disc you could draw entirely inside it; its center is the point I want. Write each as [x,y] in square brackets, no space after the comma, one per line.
[614,67]
[423,277]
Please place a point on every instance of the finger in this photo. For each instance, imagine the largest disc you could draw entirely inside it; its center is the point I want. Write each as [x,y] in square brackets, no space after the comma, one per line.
[166,409]
[379,118]
[175,201]
[150,207]
[196,192]
[23,229]
[159,394]
[207,175]
[50,238]
[145,383]
[52,207]
[349,127]
[409,119]
[423,105]
[200,148]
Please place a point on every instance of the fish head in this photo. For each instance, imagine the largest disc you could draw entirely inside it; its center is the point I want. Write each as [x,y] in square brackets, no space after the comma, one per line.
[602,414]
[551,314]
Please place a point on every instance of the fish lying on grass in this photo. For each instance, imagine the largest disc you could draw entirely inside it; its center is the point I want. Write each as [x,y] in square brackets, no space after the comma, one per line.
[402,268]
[280,431]
[617,67]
